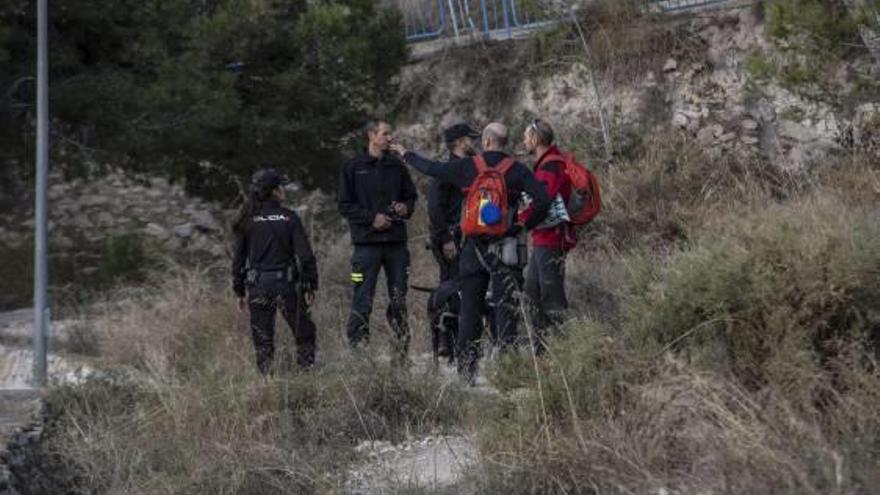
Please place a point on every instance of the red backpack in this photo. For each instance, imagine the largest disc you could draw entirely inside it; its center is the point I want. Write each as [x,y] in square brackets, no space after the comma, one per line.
[585,200]
[488,192]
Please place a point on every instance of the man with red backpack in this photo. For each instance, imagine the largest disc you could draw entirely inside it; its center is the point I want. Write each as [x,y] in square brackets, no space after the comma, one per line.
[493,183]
[574,194]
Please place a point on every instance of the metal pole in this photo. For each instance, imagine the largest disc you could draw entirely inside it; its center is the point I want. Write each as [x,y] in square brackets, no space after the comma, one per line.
[454,20]
[442,17]
[485,19]
[507,19]
[41,275]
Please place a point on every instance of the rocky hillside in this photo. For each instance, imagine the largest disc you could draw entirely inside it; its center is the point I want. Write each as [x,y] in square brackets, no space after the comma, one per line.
[106,227]
[718,79]
[709,75]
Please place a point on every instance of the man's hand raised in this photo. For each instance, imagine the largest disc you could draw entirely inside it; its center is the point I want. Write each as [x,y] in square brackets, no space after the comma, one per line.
[398,149]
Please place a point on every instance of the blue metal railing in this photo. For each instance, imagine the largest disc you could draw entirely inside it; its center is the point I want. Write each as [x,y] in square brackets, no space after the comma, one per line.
[676,5]
[423,20]
[430,19]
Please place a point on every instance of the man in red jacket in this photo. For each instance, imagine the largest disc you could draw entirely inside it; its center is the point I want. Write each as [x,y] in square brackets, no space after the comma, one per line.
[545,274]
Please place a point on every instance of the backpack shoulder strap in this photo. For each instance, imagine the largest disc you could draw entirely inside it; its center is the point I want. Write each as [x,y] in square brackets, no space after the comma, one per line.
[553,158]
[505,165]
[480,163]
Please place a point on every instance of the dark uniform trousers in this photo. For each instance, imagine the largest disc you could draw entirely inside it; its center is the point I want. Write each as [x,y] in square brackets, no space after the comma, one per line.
[269,292]
[545,291]
[476,272]
[448,268]
[366,262]
[447,325]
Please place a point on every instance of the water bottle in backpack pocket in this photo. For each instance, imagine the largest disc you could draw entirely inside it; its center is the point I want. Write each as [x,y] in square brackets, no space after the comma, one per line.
[585,200]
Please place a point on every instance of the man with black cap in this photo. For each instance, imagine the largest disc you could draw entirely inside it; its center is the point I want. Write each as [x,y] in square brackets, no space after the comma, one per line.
[377,196]
[444,203]
[444,214]
[273,266]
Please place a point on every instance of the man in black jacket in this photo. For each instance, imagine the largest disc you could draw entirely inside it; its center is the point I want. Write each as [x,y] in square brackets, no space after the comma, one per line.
[376,195]
[444,204]
[273,263]
[480,260]
[444,214]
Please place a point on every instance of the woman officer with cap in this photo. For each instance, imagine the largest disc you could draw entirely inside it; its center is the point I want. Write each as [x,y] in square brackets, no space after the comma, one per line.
[273,266]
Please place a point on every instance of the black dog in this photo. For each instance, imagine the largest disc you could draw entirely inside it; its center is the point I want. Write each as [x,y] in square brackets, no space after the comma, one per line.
[444,304]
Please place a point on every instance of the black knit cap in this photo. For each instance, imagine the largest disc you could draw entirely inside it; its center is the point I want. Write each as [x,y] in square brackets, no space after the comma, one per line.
[454,132]
[269,178]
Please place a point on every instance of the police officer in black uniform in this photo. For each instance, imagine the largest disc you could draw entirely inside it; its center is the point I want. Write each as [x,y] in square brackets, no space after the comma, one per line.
[444,203]
[273,266]
[377,196]
[444,215]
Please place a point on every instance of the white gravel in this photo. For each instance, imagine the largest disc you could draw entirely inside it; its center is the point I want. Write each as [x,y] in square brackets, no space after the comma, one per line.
[431,462]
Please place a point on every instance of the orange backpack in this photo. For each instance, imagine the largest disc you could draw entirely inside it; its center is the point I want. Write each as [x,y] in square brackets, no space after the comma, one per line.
[486,199]
[586,200]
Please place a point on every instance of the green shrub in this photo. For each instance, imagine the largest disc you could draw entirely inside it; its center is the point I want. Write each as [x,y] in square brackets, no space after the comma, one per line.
[124,258]
[759,67]
[823,25]
[163,87]
[770,286]
[813,37]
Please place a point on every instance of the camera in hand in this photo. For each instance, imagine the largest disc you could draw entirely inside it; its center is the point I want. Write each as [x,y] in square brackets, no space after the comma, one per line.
[392,214]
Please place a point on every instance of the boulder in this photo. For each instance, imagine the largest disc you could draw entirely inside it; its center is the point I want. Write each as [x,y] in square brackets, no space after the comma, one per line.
[154,193]
[89,270]
[866,128]
[184,230]
[204,220]
[95,200]
[156,231]
[105,219]
[81,222]
[749,124]
[60,241]
[680,120]
[706,135]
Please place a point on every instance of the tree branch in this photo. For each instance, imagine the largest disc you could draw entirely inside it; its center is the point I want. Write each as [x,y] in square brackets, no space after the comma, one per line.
[13,88]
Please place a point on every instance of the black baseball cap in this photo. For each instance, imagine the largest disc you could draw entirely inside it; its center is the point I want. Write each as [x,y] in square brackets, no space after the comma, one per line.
[460,130]
[269,178]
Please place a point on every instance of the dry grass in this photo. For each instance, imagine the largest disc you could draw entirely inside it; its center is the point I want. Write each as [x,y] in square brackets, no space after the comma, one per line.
[744,362]
[187,412]
[666,426]
[671,188]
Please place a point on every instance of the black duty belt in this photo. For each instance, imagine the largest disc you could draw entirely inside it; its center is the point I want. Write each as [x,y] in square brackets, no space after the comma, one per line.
[256,274]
